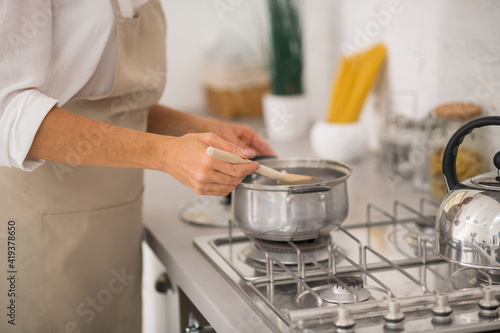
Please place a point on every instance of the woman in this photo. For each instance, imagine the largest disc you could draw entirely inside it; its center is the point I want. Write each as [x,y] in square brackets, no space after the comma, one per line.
[79,86]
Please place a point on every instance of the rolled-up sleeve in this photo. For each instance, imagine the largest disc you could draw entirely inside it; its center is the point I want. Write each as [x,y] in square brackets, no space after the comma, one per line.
[25,53]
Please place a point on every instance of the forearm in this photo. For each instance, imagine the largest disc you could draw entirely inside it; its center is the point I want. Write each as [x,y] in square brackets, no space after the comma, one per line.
[167,121]
[62,135]
[69,138]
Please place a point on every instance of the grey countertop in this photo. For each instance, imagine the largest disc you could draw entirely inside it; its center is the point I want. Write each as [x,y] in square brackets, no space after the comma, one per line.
[172,240]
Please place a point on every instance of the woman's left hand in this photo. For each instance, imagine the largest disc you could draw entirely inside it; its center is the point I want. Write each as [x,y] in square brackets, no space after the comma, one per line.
[167,121]
[241,135]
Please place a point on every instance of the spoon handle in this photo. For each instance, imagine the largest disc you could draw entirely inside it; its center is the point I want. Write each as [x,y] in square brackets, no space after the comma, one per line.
[231,158]
[225,156]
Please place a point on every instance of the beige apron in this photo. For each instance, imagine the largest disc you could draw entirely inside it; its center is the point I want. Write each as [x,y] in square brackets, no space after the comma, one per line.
[70,236]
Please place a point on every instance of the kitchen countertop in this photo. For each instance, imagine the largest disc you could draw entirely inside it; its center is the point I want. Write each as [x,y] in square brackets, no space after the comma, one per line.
[172,240]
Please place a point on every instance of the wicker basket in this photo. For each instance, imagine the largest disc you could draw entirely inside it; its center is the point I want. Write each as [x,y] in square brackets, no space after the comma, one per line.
[235,90]
[228,103]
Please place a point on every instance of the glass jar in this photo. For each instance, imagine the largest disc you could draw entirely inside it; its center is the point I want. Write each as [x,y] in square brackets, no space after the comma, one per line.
[396,141]
[420,155]
[470,159]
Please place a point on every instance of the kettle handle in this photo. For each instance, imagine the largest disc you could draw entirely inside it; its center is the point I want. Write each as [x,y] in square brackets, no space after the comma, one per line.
[451,150]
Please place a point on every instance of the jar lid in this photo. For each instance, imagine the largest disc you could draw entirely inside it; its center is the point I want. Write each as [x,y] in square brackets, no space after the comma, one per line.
[458,110]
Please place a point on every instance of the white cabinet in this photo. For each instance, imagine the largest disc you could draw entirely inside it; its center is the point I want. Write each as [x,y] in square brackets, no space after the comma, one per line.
[160,312]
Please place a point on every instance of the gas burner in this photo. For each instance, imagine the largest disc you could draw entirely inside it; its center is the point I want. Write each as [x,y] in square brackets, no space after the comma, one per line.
[338,294]
[425,232]
[494,275]
[315,248]
[398,285]
[335,294]
[305,245]
[468,277]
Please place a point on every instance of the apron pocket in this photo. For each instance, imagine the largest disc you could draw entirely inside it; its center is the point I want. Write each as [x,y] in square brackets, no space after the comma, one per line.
[92,269]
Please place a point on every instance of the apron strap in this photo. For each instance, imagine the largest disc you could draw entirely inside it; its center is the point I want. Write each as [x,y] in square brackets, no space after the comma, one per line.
[116,7]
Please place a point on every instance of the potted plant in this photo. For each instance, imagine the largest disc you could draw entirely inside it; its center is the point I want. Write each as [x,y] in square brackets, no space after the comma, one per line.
[285,107]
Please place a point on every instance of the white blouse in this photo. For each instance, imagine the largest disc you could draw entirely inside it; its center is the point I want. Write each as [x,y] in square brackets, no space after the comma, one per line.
[51,52]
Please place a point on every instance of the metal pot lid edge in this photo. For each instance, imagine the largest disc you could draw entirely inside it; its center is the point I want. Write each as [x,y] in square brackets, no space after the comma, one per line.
[347,170]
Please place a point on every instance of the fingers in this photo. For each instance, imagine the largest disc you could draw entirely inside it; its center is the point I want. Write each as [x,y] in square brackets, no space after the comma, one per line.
[224,173]
[216,190]
[213,182]
[249,138]
[209,188]
[215,141]
[217,177]
[262,147]
[243,136]
[205,175]
[239,171]
[212,176]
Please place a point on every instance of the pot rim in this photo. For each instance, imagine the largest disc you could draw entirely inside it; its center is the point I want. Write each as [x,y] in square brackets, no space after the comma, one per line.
[334,165]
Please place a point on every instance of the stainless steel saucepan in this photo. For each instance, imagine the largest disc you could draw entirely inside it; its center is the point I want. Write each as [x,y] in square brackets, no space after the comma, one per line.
[267,210]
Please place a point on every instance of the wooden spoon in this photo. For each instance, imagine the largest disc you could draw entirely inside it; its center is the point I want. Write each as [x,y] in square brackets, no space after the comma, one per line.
[282,178]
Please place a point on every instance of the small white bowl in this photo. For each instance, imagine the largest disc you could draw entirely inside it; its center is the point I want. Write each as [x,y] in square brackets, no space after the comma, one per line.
[345,142]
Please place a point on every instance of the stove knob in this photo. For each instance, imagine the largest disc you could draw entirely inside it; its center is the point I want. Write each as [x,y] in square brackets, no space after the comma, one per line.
[441,310]
[344,321]
[394,316]
[194,325]
[488,306]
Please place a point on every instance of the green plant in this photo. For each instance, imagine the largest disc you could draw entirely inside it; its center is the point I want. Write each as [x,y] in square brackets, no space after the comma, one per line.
[286,64]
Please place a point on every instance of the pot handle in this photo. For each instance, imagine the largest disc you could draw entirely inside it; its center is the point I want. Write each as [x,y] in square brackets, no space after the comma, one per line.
[451,150]
[312,189]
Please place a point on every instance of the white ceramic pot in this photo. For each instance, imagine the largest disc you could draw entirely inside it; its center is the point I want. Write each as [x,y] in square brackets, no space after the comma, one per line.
[286,118]
[345,142]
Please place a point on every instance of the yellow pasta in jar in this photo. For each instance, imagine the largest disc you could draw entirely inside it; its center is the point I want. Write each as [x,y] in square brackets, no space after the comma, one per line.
[469,164]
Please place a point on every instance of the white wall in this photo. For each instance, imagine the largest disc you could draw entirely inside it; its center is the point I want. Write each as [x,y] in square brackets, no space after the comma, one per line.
[192,26]
[321,39]
[469,52]
[438,50]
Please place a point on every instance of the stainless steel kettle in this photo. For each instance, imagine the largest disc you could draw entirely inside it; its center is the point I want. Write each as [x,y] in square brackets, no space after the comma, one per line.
[468,220]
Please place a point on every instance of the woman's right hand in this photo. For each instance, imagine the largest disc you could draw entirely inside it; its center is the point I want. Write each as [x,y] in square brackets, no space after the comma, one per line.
[186,160]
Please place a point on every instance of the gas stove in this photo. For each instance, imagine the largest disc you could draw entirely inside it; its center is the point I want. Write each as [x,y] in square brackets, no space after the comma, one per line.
[380,275]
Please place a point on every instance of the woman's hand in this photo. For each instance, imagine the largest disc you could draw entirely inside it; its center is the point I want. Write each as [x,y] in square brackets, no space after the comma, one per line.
[240,135]
[185,158]
[187,161]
